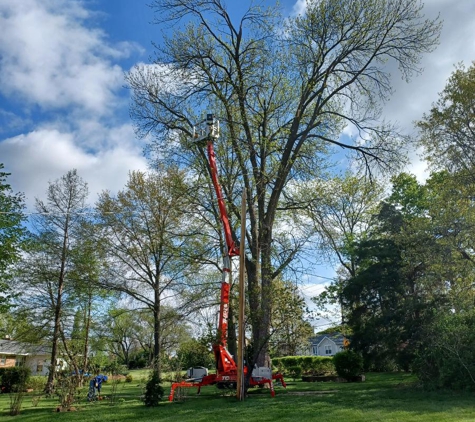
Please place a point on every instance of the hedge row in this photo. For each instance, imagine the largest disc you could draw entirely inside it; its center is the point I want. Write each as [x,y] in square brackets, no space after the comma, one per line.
[294,366]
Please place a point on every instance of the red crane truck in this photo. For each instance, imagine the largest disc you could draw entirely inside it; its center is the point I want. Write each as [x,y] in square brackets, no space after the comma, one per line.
[226,368]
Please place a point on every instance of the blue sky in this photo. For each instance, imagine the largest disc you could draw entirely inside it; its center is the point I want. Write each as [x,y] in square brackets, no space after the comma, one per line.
[63,103]
[62,99]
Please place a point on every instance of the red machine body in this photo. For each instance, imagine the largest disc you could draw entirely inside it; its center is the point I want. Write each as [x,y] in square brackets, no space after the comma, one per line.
[226,368]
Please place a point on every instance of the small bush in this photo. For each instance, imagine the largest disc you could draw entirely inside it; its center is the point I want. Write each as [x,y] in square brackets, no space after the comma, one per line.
[322,365]
[13,379]
[36,383]
[67,390]
[138,363]
[290,361]
[294,372]
[194,353]
[278,365]
[348,364]
[129,378]
[153,391]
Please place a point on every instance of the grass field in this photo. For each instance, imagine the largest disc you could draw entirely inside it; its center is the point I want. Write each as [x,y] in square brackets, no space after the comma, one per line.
[382,397]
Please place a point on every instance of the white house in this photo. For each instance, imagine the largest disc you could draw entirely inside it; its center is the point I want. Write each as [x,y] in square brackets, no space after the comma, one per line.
[15,353]
[327,344]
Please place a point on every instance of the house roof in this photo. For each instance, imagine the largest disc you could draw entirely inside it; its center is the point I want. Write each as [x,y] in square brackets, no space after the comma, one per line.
[337,338]
[11,347]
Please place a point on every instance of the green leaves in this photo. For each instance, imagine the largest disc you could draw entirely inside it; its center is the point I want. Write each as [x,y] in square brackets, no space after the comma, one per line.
[448,130]
[12,235]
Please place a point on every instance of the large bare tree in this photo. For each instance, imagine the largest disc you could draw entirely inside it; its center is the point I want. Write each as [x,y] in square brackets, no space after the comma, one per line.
[284,88]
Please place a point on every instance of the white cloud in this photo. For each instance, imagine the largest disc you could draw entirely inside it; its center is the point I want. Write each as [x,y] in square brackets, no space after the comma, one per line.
[312,290]
[45,155]
[418,167]
[300,7]
[457,43]
[50,58]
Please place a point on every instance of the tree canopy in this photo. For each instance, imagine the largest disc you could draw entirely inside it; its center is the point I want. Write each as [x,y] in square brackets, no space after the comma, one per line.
[48,290]
[12,234]
[448,130]
[284,89]
[147,236]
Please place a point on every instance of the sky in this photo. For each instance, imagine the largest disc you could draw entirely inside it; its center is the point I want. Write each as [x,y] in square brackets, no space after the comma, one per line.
[64,105]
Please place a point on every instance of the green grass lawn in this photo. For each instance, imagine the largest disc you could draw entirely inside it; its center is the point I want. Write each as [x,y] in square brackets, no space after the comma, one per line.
[382,397]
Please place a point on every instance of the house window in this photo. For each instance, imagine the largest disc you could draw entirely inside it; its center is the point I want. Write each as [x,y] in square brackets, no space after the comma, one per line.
[315,350]
[328,349]
[3,359]
[20,361]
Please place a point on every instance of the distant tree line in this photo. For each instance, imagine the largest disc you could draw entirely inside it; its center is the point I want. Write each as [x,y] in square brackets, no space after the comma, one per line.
[406,286]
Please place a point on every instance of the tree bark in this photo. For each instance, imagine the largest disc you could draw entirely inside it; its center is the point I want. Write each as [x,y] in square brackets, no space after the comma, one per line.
[57,311]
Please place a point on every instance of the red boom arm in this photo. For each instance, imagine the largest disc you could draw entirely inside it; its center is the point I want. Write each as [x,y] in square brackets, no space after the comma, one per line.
[232,248]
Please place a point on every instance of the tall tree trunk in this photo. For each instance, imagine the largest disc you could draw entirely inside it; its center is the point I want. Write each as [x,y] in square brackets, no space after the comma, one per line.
[49,388]
[232,339]
[156,334]
[253,292]
[262,353]
[87,327]
[57,311]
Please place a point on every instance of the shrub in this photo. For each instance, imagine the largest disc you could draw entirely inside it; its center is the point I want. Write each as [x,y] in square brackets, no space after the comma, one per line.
[36,383]
[446,358]
[138,362]
[13,381]
[295,372]
[348,364]
[322,365]
[277,365]
[67,390]
[153,390]
[15,378]
[128,378]
[307,363]
[290,361]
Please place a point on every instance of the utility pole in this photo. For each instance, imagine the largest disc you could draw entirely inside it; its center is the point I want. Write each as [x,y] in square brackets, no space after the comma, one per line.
[241,334]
